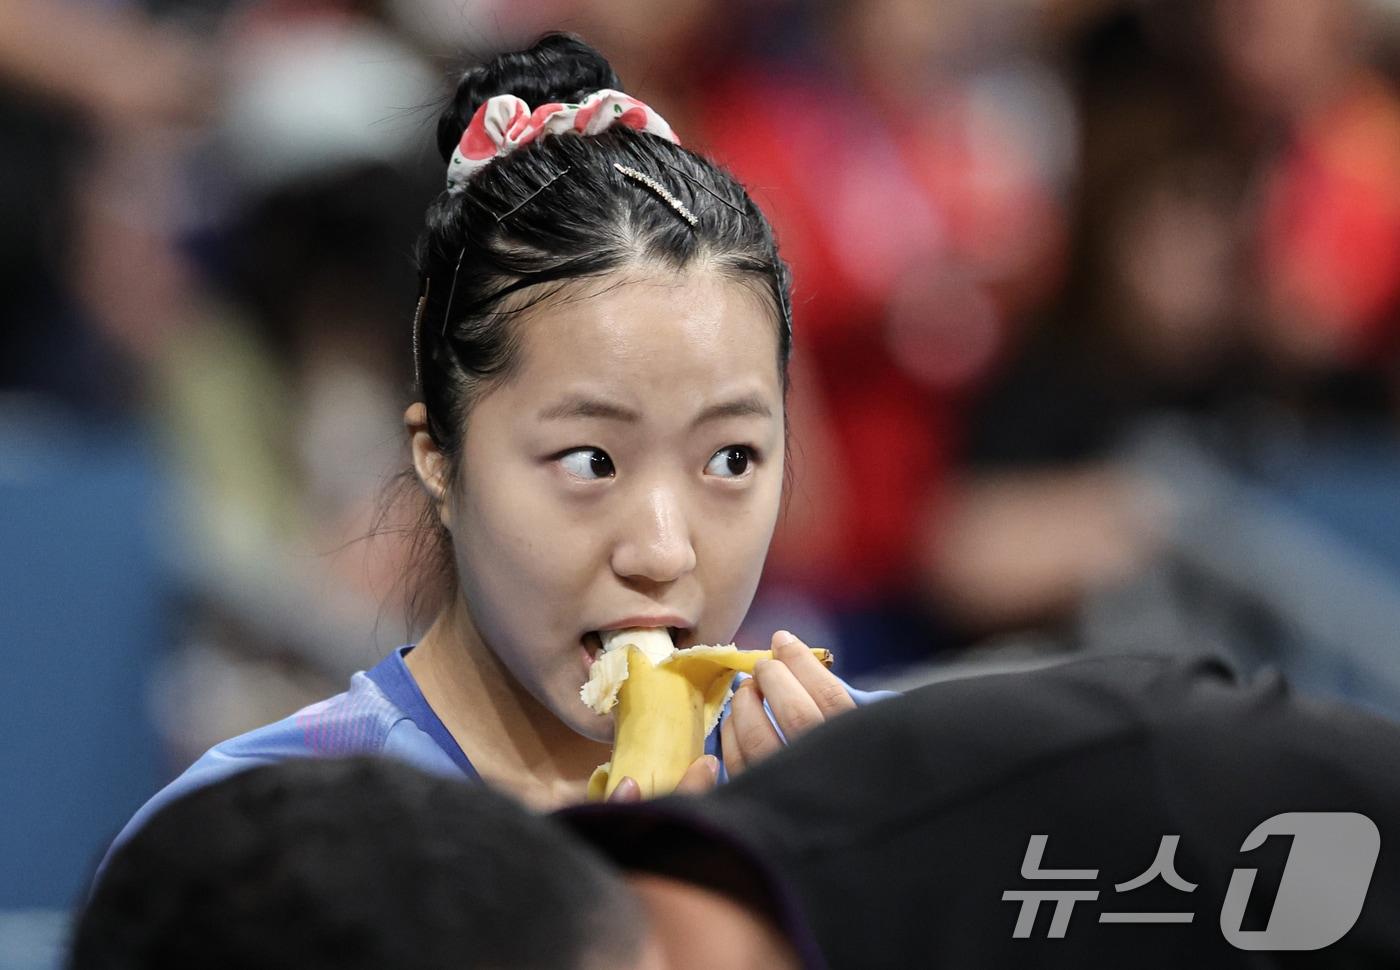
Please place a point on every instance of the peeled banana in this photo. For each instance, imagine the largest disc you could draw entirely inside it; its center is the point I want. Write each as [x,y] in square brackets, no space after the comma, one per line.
[667,701]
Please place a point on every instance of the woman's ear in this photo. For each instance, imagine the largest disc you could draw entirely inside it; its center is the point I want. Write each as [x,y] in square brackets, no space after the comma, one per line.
[428,460]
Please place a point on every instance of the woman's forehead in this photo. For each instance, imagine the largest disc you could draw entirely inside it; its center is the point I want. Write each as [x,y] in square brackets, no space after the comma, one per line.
[659,331]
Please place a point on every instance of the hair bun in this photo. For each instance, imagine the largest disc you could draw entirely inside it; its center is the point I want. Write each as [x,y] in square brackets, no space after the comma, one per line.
[557,67]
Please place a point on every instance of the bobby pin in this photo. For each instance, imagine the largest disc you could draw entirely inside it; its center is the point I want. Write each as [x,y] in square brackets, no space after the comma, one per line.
[501,218]
[704,188]
[447,314]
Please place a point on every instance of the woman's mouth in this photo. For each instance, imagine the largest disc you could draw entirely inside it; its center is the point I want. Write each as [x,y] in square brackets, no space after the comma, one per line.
[591,643]
[592,646]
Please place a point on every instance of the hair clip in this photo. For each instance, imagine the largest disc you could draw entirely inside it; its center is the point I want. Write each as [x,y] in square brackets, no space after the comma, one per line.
[661,191]
[418,326]
[703,187]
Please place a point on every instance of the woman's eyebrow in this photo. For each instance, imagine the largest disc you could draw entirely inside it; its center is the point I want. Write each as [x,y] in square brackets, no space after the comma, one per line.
[586,407]
[749,406]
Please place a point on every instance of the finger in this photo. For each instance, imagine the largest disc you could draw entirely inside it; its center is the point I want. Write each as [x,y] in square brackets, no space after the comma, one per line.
[824,687]
[729,744]
[755,734]
[700,777]
[792,707]
[627,790]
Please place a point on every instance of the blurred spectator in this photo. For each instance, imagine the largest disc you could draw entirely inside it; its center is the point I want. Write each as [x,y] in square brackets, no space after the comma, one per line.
[1329,219]
[67,128]
[95,104]
[209,240]
[1149,320]
[151,75]
[1226,334]
[282,401]
[911,157]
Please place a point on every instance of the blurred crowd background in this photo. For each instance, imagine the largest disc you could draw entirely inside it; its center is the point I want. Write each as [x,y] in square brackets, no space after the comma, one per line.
[1098,347]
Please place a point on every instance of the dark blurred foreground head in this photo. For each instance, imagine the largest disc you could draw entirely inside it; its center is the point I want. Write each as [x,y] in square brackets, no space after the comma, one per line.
[354,863]
[1040,818]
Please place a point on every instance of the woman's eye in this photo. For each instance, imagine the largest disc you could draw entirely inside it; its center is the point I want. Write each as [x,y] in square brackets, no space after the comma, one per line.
[588,463]
[731,462]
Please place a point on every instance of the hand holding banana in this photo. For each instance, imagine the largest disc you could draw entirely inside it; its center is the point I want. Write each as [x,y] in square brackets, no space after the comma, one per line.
[801,692]
[667,702]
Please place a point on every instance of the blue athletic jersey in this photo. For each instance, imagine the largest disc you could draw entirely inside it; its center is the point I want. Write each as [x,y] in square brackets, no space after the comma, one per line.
[382,713]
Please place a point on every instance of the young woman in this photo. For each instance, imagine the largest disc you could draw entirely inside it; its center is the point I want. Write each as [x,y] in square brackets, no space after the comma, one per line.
[601,350]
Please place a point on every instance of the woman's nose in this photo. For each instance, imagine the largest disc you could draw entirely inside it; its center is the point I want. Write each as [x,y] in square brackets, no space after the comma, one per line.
[655,542]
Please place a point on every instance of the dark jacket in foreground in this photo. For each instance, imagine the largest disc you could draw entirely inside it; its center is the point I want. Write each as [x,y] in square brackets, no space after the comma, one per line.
[909,834]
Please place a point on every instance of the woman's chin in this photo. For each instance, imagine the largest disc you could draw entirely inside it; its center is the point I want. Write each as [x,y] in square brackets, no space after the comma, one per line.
[581,719]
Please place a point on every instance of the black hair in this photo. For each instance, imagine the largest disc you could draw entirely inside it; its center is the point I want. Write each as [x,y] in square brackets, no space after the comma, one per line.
[354,863]
[554,212]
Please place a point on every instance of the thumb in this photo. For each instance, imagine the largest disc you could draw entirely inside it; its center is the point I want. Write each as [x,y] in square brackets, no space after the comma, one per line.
[627,790]
[700,777]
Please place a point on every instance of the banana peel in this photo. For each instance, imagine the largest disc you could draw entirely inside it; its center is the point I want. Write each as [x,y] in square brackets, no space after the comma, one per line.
[667,702]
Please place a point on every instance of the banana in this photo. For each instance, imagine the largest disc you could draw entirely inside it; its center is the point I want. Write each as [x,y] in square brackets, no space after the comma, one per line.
[667,701]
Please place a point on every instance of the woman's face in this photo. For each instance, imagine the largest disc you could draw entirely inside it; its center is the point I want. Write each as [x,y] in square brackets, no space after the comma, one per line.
[627,474]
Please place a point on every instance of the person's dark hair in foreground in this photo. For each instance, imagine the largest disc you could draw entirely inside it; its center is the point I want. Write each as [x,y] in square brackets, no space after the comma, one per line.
[353,863]
[907,834]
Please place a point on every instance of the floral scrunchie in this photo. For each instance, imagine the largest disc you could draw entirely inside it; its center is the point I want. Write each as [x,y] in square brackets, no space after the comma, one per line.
[505,122]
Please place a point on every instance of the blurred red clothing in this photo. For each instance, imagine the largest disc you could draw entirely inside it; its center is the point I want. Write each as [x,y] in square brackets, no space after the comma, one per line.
[911,238]
[1330,242]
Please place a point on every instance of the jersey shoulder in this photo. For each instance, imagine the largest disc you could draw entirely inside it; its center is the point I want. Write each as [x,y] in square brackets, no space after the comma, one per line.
[360,720]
